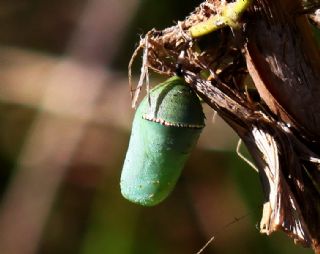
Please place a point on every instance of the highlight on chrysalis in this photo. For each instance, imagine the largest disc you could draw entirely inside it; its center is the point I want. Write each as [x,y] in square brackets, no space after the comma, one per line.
[165,129]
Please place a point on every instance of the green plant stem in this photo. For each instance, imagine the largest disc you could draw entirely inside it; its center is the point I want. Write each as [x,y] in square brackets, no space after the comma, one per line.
[229,16]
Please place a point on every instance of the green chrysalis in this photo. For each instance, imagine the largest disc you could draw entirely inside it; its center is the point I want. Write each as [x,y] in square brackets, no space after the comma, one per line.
[165,129]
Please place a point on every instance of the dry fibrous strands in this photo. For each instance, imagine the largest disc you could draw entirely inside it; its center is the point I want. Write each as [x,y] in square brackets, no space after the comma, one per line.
[161,49]
[162,52]
[284,63]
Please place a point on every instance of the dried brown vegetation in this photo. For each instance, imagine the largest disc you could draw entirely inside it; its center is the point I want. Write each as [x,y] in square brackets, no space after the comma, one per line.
[273,46]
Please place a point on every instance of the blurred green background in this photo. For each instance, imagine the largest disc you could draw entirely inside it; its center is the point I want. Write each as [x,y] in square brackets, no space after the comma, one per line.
[65,121]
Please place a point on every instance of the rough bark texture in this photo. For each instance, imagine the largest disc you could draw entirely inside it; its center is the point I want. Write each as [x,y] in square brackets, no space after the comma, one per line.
[281,131]
[284,63]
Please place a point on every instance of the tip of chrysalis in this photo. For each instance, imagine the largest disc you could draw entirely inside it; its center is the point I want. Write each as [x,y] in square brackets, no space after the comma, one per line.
[132,194]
